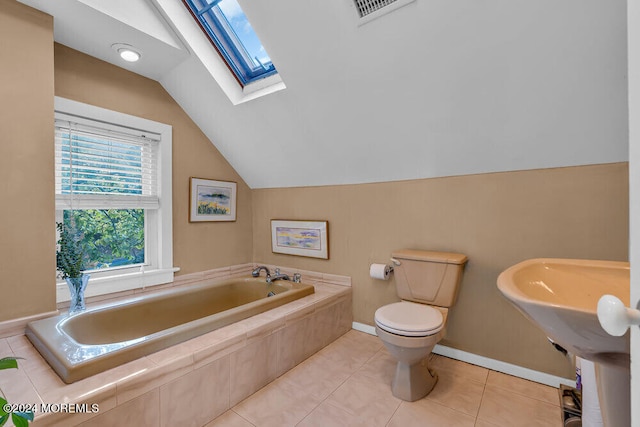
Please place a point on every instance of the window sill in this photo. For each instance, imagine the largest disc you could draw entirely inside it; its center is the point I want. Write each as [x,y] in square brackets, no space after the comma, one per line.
[119,283]
[261,88]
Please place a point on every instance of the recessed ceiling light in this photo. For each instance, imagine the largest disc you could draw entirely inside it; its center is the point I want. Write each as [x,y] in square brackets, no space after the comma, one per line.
[126,52]
[129,55]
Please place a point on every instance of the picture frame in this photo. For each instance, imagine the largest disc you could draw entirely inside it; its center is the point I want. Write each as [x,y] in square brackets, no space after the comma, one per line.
[301,238]
[211,200]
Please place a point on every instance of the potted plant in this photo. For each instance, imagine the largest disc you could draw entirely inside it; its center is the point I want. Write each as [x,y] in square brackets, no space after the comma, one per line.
[70,263]
[19,418]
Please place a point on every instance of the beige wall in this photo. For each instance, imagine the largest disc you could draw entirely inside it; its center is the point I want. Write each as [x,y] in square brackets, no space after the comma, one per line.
[27,235]
[495,219]
[196,247]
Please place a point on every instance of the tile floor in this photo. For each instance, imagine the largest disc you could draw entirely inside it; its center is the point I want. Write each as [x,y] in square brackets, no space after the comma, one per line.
[348,384]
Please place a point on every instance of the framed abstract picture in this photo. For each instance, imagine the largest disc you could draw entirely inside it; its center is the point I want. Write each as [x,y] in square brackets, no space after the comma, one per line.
[302,238]
[211,200]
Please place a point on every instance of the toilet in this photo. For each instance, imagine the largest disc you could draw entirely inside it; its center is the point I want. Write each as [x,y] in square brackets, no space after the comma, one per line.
[427,283]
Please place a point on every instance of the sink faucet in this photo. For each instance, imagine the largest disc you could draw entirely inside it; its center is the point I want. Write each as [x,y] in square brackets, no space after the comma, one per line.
[256,272]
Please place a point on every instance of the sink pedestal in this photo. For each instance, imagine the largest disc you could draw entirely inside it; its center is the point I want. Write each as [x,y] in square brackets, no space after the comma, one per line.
[614,394]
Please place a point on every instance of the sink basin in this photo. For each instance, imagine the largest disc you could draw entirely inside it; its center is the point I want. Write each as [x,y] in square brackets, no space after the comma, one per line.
[561,297]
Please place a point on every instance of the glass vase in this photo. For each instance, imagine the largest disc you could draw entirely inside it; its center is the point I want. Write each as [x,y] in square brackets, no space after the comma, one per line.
[77,285]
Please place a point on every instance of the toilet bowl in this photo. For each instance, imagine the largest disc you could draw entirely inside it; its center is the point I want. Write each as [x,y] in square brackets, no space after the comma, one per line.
[410,329]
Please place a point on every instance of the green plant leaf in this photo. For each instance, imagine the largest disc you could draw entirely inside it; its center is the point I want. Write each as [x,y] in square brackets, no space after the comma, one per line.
[69,255]
[9,362]
[4,416]
[26,415]
[21,419]
[3,402]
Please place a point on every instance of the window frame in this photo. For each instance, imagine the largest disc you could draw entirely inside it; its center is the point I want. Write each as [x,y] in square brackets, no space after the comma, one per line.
[158,268]
[223,40]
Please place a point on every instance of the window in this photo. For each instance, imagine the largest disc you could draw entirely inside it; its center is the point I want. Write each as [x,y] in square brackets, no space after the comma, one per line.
[229,30]
[113,176]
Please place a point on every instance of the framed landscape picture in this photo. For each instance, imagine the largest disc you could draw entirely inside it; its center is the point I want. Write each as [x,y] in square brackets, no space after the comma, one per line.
[302,238]
[211,200]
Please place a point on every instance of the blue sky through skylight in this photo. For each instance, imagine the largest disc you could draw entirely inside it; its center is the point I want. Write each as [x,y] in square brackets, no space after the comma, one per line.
[244,30]
[229,30]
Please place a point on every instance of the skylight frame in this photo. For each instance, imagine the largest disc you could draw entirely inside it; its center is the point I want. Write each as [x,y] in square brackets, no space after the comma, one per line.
[215,25]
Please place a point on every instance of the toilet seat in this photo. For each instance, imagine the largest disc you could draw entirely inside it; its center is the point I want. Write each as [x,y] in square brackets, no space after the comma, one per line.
[409,319]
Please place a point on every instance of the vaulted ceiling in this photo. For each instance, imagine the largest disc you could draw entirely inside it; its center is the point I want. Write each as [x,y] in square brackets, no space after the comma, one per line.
[434,88]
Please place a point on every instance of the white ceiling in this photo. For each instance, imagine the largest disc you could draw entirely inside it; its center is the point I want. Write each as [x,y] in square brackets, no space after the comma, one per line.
[435,88]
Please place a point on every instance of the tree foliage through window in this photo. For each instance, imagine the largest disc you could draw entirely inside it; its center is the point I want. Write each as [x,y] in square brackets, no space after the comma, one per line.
[110,237]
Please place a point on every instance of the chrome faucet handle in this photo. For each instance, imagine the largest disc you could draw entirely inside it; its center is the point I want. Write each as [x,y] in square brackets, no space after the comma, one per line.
[297,277]
[256,271]
[277,271]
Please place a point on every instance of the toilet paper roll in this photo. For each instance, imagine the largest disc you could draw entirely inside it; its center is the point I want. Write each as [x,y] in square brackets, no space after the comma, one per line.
[379,271]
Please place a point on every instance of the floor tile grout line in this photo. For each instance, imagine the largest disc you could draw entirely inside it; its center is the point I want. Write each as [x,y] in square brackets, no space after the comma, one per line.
[457,374]
[26,372]
[506,389]
[484,389]
[306,416]
[502,387]
[524,395]
[394,413]
[240,417]
[338,386]
[351,376]
[369,359]
[450,408]
[324,399]
[316,356]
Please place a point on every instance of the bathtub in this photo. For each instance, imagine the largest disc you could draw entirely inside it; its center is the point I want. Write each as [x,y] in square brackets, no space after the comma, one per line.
[98,339]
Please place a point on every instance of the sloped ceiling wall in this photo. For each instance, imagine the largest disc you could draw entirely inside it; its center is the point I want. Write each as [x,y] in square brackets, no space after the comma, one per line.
[435,88]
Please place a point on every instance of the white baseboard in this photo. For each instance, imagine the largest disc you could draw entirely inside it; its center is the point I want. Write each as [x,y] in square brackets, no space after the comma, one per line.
[485,362]
[371,330]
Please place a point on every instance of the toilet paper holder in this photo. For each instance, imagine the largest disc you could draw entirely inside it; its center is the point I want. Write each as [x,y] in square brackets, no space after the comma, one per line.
[382,271]
[389,268]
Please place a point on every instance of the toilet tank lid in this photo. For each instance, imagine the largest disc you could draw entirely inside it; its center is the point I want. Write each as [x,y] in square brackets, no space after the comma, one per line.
[431,256]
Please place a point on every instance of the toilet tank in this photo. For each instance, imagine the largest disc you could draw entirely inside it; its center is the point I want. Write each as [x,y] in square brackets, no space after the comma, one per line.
[428,277]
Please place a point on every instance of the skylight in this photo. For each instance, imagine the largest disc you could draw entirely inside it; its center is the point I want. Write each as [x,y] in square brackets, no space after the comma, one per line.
[228,28]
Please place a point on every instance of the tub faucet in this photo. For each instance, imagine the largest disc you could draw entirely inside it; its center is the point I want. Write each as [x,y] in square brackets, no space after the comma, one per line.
[278,276]
[256,272]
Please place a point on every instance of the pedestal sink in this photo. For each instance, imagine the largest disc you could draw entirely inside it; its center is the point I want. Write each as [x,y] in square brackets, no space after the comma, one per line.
[561,297]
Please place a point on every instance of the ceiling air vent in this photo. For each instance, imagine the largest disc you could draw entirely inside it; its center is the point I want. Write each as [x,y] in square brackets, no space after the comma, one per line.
[368,10]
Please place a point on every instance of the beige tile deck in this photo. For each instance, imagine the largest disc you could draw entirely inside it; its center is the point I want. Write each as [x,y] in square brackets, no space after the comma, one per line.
[348,384]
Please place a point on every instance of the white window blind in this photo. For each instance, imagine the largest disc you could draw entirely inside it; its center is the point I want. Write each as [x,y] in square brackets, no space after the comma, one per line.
[104,166]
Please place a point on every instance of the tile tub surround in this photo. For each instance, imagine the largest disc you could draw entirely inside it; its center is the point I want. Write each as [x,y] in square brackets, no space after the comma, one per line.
[193,382]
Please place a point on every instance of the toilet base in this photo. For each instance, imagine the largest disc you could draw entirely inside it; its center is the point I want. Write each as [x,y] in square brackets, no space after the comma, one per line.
[413,381]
